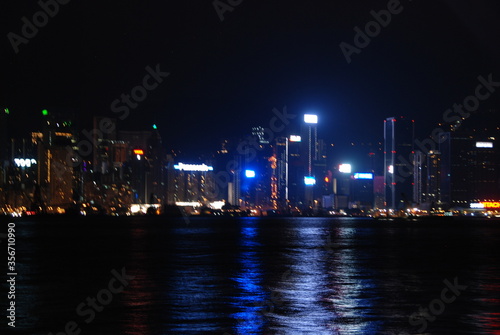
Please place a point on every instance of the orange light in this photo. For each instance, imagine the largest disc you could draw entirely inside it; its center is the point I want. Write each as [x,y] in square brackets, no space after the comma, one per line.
[327,179]
[138,152]
[491,204]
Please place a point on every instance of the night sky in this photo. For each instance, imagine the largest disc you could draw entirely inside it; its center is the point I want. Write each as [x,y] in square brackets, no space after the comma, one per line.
[227,76]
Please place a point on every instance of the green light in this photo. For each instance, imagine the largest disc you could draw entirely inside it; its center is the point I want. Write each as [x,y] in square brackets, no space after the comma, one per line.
[45,112]
[7,111]
[155,127]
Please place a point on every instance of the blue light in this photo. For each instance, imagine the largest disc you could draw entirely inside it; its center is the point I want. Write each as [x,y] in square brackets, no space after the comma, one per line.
[368,176]
[250,173]
[309,181]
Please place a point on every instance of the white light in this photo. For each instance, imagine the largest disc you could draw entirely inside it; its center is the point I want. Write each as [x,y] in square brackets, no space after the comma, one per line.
[24,162]
[345,168]
[390,169]
[193,167]
[309,181]
[250,173]
[138,157]
[295,138]
[310,118]
[484,144]
[135,209]
[187,204]
[476,205]
[217,204]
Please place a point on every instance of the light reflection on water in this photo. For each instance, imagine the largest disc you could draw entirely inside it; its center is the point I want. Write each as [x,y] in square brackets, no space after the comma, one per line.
[255,276]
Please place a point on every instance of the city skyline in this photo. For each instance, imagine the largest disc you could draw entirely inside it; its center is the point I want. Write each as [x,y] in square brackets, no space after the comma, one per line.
[250,167]
[287,166]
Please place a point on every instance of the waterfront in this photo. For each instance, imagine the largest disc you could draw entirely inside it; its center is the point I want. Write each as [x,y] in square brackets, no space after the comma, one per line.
[256,276]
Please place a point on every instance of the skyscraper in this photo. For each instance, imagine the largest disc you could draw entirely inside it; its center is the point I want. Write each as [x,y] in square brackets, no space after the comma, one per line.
[469,168]
[398,161]
[57,173]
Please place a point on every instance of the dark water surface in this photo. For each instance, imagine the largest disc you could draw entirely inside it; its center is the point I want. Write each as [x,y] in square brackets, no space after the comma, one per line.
[254,276]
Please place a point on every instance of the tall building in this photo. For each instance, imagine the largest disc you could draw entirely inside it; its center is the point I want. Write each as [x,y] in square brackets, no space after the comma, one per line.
[296,170]
[432,194]
[5,155]
[58,176]
[147,165]
[362,191]
[191,183]
[399,136]
[469,168]
[260,133]
[281,171]
[418,177]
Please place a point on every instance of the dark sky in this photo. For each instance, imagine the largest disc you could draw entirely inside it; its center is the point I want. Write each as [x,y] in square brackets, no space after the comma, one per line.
[227,76]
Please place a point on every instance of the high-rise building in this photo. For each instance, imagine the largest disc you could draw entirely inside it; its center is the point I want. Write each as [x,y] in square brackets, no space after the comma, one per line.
[362,191]
[281,172]
[432,194]
[469,168]
[398,161]
[260,133]
[418,180]
[147,165]
[58,175]
[191,183]
[296,170]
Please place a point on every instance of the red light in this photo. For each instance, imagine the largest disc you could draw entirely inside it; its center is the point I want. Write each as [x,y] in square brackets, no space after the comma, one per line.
[138,152]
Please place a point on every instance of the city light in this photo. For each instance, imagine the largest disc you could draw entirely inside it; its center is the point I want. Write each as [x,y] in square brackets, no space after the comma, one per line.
[484,144]
[295,138]
[24,162]
[138,152]
[360,175]
[485,204]
[188,204]
[310,118]
[193,167]
[390,169]
[477,205]
[345,168]
[250,173]
[309,181]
